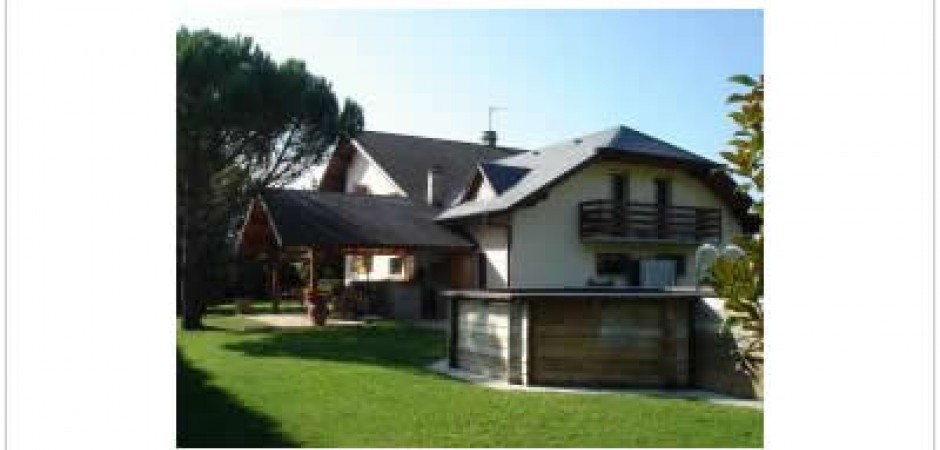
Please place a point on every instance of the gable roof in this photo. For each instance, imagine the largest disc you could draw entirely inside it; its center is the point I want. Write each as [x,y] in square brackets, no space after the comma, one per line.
[551,164]
[407,159]
[311,218]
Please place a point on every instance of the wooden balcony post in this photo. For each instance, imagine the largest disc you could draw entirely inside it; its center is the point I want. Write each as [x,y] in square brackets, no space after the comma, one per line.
[625,227]
[662,221]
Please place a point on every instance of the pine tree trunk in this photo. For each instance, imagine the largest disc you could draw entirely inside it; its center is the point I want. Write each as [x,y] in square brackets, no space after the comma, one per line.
[191,285]
[191,291]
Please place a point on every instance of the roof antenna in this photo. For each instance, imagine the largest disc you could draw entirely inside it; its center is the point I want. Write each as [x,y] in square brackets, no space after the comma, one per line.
[489,136]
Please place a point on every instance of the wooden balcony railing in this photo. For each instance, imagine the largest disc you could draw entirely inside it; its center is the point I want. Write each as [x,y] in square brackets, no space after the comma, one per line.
[602,220]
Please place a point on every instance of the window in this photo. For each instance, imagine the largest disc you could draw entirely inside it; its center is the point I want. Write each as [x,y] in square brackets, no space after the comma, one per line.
[657,273]
[396,265]
[618,264]
[663,192]
[611,263]
[679,260]
[620,188]
[362,264]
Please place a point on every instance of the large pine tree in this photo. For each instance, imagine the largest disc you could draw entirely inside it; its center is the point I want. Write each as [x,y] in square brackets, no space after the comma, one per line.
[243,123]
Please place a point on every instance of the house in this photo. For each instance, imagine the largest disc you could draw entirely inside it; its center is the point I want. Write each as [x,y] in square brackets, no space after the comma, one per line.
[613,207]
[569,263]
[618,207]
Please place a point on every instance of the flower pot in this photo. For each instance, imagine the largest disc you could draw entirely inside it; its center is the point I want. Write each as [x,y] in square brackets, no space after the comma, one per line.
[316,307]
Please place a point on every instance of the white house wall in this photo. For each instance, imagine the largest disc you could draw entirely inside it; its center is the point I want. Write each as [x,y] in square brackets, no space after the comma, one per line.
[547,250]
[494,244]
[363,171]
[380,269]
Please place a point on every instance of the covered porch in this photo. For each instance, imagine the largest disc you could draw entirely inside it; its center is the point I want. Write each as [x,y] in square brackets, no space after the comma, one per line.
[303,241]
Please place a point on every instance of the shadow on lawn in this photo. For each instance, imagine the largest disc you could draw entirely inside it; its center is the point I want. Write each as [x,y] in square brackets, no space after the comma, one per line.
[383,344]
[207,416]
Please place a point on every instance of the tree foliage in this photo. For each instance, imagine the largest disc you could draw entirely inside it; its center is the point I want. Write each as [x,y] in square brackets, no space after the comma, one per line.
[244,122]
[740,280]
[352,120]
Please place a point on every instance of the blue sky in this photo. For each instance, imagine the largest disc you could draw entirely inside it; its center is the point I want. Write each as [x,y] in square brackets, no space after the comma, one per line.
[558,73]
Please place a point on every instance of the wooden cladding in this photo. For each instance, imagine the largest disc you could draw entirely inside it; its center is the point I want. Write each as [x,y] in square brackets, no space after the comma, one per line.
[610,342]
[257,237]
[608,219]
[635,341]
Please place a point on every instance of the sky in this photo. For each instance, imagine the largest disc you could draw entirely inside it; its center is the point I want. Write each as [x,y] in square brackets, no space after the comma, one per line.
[558,74]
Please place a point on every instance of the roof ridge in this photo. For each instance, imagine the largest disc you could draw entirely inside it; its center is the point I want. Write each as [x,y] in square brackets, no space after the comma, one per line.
[451,141]
[339,194]
[611,135]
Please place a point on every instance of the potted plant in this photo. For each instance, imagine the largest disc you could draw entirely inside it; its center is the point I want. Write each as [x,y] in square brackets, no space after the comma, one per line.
[316,307]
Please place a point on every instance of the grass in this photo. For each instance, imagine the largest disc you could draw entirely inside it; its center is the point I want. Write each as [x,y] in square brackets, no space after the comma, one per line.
[240,385]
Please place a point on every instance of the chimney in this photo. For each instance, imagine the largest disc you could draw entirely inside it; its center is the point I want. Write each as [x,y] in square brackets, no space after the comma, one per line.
[433,175]
[489,138]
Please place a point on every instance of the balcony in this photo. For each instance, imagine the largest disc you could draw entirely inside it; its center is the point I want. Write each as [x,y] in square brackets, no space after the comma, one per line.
[609,221]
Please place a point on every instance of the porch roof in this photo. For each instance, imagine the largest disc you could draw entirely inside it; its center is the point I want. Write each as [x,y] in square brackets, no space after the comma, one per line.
[305,218]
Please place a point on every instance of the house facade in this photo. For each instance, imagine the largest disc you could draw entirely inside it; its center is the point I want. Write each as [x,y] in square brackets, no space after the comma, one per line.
[615,208]
[433,172]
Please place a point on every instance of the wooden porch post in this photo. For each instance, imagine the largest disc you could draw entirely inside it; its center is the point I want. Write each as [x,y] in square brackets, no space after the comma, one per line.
[275,281]
[316,306]
[313,269]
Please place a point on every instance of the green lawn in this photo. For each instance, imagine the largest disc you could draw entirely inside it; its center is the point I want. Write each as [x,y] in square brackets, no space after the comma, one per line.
[243,386]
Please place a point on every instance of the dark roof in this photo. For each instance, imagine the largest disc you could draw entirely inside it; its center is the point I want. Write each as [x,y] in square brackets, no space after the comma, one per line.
[307,218]
[552,164]
[626,139]
[503,177]
[407,160]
